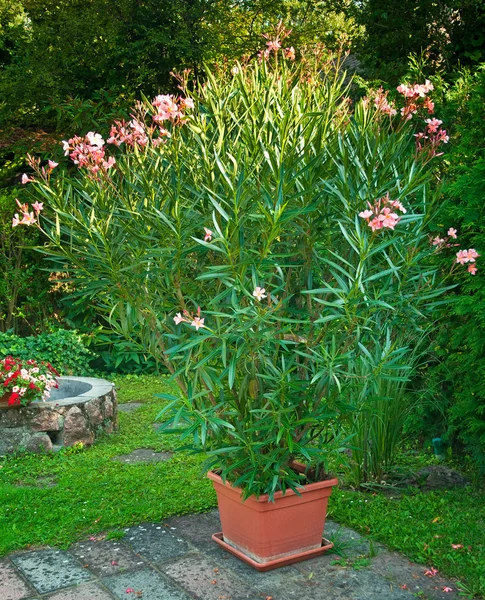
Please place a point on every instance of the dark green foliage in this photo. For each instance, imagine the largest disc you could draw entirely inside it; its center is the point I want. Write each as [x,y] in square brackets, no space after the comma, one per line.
[26,300]
[446,33]
[63,349]
[461,345]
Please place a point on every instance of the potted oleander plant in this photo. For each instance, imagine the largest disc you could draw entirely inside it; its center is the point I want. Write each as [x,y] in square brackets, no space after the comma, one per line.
[266,241]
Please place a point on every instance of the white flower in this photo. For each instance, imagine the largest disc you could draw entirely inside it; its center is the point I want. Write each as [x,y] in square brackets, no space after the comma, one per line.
[259,293]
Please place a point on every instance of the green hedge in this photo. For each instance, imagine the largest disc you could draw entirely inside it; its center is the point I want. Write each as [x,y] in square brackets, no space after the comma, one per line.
[63,349]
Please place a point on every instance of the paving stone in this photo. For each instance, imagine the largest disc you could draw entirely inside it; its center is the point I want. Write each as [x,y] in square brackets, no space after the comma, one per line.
[153,586]
[129,407]
[208,580]
[106,557]
[12,586]
[90,591]
[156,542]
[143,455]
[50,570]
[197,529]
[398,570]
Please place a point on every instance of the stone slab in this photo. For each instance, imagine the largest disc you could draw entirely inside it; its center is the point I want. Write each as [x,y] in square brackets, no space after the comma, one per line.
[50,570]
[153,586]
[106,557]
[143,455]
[12,586]
[129,407]
[156,542]
[90,591]
[197,529]
[398,570]
[208,579]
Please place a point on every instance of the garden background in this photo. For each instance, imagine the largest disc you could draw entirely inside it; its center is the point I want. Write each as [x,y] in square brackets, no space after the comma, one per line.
[60,77]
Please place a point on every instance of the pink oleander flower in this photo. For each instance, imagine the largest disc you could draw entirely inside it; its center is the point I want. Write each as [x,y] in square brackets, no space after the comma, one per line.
[437,241]
[65,147]
[187,103]
[95,139]
[399,206]
[52,164]
[472,254]
[446,589]
[273,45]
[28,219]
[167,108]
[37,206]
[431,572]
[457,546]
[15,220]
[388,218]
[366,214]
[462,257]
[197,323]
[452,233]
[178,319]
[208,235]
[26,179]
[472,269]
[428,105]
[433,125]
[381,103]
[259,293]
[289,53]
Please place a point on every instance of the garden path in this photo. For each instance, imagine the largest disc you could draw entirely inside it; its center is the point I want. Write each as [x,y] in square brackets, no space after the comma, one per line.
[177,560]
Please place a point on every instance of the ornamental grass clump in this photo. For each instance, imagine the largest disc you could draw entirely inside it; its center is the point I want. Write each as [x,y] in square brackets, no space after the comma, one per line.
[266,241]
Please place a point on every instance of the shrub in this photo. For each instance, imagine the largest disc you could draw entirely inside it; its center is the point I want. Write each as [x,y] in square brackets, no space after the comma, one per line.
[63,349]
[270,247]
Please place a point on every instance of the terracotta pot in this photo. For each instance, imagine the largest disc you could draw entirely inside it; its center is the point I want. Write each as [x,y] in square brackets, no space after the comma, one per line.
[268,535]
[4,400]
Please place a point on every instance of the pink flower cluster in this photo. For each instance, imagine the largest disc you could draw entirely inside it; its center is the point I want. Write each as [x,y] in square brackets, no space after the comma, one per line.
[429,139]
[132,134]
[28,217]
[187,317]
[88,152]
[274,46]
[171,109]
[468,256]
[382,103]
[415,97]
[381,214]
[462,256]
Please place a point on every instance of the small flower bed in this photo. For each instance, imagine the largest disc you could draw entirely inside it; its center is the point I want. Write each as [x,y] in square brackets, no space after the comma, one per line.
[26,381]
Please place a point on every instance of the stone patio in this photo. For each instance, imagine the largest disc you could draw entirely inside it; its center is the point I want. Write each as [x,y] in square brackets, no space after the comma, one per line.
[177,560]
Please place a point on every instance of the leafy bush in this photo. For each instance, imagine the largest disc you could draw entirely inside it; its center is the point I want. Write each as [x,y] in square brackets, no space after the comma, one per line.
[63,349]
[261,178]
[27,301]
[460,374]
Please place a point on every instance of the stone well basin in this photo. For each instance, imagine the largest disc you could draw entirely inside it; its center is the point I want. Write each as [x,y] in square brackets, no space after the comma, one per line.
[80,410]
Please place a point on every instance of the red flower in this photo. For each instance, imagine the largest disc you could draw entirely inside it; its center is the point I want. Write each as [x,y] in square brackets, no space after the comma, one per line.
[14,399]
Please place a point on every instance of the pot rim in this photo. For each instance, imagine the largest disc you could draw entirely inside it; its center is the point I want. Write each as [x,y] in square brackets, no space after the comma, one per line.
[309,487]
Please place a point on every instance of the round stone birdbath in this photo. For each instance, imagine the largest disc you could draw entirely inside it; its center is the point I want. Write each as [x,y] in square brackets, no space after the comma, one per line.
[79,411]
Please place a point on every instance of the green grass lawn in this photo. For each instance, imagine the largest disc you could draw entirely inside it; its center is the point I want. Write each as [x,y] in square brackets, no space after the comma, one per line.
[90,494]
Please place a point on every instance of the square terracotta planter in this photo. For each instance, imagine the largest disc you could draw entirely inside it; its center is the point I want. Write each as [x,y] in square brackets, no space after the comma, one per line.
[268,535]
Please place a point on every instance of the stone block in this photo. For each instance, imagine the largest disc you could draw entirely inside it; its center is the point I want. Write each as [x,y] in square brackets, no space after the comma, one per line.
[76,428]
[93,411]
[151,584]
[39,442]
[106,557]
[208,579]
[46,420]
[89,591]
[50,570]
[13,439]
[156,543]
[108,407]
[12,586]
